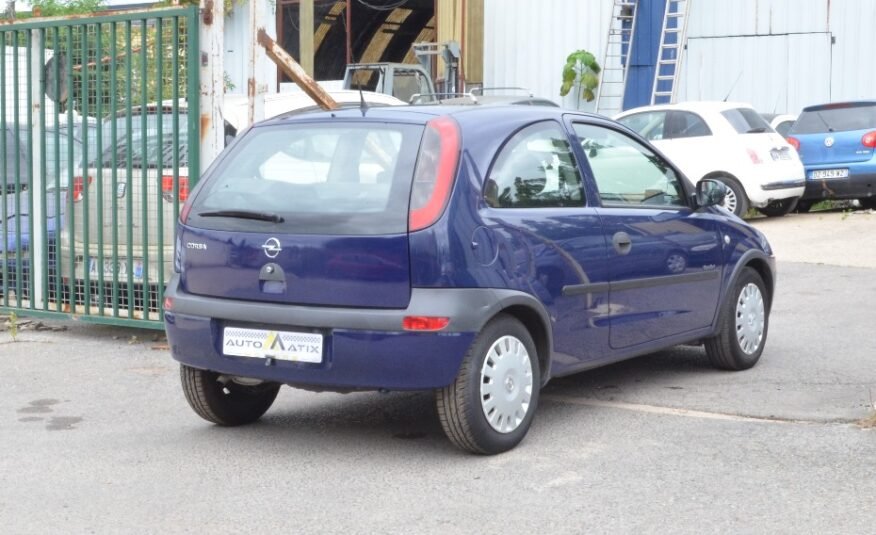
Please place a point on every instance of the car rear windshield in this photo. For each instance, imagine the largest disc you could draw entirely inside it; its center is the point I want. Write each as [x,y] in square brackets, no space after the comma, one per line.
[836,119]
[337,179]
[746,121]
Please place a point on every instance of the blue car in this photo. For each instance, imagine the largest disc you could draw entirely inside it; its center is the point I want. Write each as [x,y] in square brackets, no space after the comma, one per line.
[836,143]
[474,251]
[15,207]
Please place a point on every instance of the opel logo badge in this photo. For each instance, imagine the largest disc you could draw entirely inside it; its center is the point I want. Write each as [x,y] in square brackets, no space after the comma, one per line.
[272,248]
[828,141]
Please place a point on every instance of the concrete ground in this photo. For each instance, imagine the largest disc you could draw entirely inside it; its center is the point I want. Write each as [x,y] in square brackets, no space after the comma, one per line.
[96,436]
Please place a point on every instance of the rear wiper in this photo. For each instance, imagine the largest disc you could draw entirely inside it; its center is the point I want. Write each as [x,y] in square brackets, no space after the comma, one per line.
[758,130]
[244,214]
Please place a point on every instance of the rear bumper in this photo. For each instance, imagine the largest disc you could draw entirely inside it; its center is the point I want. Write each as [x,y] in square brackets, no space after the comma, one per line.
[859,184]
[363,349]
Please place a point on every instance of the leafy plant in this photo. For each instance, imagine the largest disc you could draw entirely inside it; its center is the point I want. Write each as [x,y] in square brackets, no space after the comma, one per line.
[13,326]
[581,70]
[56,8]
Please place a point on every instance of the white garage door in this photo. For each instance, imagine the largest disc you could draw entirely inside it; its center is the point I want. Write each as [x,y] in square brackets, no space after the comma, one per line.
[774,73]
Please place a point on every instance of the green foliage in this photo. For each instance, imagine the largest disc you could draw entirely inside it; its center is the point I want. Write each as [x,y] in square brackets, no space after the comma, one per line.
[57,8]
[581,69]
[13,326]
[103,69]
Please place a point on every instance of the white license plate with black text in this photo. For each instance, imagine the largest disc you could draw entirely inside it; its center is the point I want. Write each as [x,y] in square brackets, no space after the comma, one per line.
[119,268]
[280,345]
[823,174]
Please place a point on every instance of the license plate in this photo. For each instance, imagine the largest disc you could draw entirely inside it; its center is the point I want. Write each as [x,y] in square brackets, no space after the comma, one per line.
[118,269]
[780,154]
[281,345]
[829,173]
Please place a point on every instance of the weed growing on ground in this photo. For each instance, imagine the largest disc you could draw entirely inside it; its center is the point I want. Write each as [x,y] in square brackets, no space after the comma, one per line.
[13,326]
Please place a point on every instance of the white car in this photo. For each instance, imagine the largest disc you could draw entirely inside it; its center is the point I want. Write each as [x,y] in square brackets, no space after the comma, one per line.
[730,142]
[781,123]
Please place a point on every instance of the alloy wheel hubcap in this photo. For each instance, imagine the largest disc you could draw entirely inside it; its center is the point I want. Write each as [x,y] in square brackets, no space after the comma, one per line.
[750,318]
[506,384]
[730,200]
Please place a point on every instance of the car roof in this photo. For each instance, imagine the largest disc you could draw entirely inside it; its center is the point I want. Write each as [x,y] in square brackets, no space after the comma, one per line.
[424,113]
[236,113]
[696,106]
[835,105]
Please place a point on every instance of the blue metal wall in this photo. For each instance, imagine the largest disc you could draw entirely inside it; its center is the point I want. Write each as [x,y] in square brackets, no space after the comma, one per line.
[643,60]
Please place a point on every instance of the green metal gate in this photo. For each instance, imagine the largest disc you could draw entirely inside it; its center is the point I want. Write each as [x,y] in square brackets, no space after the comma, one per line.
[98,149]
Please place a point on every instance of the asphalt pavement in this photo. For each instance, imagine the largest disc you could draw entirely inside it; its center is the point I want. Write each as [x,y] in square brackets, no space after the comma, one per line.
[96,436]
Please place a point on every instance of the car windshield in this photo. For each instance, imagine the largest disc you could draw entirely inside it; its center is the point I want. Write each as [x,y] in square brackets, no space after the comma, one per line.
[843,118]
[340,178]
[746,121]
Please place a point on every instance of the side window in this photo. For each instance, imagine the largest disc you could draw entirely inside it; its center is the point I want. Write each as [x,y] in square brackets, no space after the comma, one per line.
[650,124]
[681,124]
[628,173]
[535,169]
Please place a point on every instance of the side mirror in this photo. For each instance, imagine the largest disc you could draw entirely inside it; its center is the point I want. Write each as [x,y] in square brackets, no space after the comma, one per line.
[710,192]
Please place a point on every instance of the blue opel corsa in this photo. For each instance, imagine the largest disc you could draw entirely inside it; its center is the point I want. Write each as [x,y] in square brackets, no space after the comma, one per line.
[475,251]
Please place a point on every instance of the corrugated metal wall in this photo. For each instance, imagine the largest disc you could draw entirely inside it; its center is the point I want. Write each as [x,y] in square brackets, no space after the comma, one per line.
[781,51]
[782,48]
[526,42]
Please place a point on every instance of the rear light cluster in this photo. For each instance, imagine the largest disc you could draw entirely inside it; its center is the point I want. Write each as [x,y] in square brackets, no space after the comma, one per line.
[79,187]
[434,173]
[167,187]
[869,139]
[794,142]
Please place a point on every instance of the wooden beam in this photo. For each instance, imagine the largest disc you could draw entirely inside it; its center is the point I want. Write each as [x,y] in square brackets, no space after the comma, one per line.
[294,71]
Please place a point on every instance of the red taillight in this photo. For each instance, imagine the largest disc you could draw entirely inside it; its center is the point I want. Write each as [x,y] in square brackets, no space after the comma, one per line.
[433,176]
[167,187]
[168,304]
[869,139]
[794,142]
[424,323]
[79,187]
[755,159]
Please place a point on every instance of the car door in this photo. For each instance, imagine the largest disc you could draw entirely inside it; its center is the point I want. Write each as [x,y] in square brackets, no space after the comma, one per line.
[551,243]
[665,259]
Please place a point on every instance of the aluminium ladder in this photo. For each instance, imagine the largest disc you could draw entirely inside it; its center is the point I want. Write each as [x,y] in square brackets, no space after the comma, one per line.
[615,63]
[673,39]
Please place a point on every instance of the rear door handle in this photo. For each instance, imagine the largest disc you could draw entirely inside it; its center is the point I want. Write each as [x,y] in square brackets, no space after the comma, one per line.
[622,242]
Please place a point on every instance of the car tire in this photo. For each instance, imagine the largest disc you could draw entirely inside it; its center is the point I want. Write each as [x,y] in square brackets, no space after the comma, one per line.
[736,200]
[501,360]
[803,207]
[743,324]
[224,402]
[779,208]
[868,203]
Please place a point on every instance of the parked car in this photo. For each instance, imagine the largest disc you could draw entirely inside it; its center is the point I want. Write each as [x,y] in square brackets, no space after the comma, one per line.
[836,143]
[476,251]
[121,237]
[15,210]
[781,123]
[729,142]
